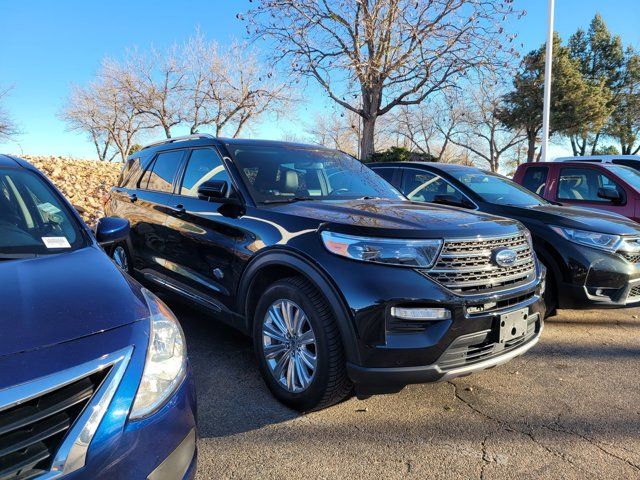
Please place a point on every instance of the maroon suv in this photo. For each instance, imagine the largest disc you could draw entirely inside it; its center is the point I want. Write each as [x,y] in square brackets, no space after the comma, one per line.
[604,186]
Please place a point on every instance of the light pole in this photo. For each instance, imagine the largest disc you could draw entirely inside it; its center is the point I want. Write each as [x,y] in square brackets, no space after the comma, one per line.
[546,106]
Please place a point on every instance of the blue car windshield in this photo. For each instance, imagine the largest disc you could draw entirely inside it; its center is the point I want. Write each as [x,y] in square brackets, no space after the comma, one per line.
[275,174]
[33,219]
[493,188]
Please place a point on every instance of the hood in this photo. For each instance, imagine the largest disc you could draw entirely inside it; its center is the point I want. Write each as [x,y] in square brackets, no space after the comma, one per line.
[400,219]
[576,217]
[58,298]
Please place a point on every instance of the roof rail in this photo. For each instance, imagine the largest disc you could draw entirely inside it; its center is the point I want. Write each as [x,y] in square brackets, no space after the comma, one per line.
[178,139]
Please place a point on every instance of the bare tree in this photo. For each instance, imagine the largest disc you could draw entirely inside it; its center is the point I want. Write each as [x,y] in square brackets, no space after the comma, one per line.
[482,132]
[337,131]
[8,128]
[428,127]
[154,85]
[228,88]
[83,113]
[197,85]
[104,111]
[371,56]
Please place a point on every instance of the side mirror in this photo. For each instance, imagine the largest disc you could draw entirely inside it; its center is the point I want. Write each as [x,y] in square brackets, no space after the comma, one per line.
[452,200]
[112,229]
[610,194]
[213,190]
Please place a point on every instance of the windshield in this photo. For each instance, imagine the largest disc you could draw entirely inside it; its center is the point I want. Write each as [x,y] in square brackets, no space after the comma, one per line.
[628,174]
[291,173]
[496,189]
[33,220]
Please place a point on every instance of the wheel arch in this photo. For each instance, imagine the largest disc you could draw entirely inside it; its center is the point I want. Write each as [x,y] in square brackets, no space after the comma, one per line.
[276,264]
[551,259]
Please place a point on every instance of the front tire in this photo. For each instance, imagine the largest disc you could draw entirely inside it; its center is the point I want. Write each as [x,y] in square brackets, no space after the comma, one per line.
[298,345]
[550,294]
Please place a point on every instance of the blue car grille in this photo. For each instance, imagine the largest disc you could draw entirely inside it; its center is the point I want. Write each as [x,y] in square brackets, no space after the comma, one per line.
[31,432]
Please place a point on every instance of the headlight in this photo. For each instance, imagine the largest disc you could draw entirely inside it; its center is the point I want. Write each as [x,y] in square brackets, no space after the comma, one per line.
[603,241]
[166,363]
[390,251]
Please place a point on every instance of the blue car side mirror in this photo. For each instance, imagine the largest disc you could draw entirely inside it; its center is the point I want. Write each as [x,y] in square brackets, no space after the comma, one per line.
[112,229]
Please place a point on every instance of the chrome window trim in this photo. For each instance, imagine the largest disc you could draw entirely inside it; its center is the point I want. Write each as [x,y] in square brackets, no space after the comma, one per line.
[72,453]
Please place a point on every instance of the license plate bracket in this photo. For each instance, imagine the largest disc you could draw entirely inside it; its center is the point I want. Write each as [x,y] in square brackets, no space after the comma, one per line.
[513,324]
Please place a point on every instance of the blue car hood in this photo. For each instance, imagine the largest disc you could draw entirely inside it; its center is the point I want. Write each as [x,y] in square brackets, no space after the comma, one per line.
[48,300]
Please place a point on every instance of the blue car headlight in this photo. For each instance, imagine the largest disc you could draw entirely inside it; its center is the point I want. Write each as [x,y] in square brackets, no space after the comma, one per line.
[389,251]
[166,363]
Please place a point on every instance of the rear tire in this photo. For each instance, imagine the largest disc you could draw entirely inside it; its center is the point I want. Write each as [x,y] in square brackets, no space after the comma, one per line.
[298,346]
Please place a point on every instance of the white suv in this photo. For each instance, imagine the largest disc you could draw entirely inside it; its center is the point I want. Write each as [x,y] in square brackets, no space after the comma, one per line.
[632,161]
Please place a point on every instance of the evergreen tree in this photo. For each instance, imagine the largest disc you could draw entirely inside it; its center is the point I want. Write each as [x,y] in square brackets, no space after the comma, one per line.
[624,124]
[577,106]
[600,59]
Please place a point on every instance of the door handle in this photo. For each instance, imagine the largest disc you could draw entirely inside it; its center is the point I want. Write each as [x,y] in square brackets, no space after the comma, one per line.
[178,209]
[133,197]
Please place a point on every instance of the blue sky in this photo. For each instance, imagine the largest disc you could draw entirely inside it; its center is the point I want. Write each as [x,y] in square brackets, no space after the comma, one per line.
[49,45]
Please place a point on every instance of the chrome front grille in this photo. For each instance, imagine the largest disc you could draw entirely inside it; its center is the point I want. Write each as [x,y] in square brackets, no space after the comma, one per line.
[631,257]
[467,266]
[31,433]
[47,424]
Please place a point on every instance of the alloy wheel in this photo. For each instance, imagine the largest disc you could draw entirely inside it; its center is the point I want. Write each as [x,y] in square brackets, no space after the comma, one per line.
[289,345]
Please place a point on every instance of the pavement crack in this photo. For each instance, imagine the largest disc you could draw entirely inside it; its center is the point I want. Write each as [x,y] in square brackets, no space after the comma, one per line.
[561,429]
[485,456]
[408,465]
[506,426]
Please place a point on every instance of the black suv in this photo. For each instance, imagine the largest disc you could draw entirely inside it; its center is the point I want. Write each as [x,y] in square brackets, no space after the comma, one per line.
[592,256]
[340,280]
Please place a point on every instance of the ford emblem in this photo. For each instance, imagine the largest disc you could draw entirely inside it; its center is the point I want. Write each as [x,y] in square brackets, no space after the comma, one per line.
[504,257]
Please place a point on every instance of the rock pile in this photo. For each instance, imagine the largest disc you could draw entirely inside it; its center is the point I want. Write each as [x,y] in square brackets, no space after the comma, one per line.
[83,182]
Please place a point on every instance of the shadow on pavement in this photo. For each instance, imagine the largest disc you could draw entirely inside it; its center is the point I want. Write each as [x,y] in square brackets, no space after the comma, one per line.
[615,322]
[232,398]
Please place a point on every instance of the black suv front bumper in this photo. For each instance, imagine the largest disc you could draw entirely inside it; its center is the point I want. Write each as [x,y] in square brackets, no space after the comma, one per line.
[386,357]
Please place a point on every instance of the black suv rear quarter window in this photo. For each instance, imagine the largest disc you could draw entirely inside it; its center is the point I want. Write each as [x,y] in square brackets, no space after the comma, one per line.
[162,172]
[535,179]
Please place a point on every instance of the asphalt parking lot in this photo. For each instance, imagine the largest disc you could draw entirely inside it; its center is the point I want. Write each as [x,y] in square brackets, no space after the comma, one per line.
[570,408]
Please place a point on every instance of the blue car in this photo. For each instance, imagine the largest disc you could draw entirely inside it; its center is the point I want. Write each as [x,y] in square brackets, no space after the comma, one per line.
[94,377]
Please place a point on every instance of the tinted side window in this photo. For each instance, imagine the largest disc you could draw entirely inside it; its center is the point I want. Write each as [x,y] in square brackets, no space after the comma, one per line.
[386,172]
[421,186]
[132,178]
[161,174]
[583,184]
[130,173]
[204,165]
[535,179]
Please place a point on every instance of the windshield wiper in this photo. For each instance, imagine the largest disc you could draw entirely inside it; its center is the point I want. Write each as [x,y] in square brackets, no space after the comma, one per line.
[16,256]
[288,200]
